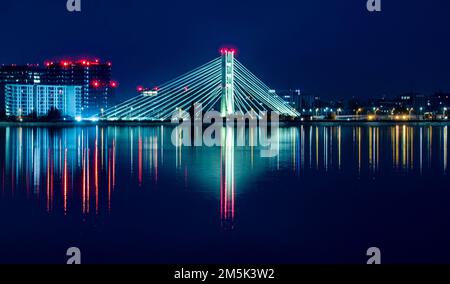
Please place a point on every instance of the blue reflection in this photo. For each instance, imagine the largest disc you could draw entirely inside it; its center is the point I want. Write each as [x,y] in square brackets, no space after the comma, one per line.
[129,186]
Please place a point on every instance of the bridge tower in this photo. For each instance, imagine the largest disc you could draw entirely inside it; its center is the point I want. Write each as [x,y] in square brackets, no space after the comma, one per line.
[227,100]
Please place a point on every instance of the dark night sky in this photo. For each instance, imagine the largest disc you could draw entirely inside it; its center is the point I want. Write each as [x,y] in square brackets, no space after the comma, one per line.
[331,48]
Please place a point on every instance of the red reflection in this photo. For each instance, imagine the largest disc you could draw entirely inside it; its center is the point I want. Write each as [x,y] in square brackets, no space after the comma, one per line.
[88,185]
[50,184]
[48,181]
[109,178]
[227,192]
[96,174]
[83,171]
[65,181]
[114,164]
[140,161]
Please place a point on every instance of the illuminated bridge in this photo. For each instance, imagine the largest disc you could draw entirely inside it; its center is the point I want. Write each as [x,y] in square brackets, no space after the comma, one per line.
[223,84]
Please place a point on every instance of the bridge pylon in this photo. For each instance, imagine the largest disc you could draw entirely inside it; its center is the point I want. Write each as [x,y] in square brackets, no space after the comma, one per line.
[227,100]
[223,84]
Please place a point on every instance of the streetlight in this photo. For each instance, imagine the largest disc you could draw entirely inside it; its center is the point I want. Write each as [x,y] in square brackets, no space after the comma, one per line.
[358,111]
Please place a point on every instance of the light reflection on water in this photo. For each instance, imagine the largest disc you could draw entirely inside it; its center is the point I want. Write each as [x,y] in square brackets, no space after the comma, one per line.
[80,164]
[324,184]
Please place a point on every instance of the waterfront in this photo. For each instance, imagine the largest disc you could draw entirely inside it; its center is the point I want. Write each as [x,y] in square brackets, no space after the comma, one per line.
[126,194]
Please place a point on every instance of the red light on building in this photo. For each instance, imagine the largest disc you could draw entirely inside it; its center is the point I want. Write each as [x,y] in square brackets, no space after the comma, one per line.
[156,89]
[186,89]
[95,84]
[113,84]
[65,63]
[140,88]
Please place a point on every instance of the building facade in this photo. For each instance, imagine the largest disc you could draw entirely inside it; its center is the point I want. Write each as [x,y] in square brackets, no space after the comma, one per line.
[291,97]
[25,100]
[94,77]
[18,74]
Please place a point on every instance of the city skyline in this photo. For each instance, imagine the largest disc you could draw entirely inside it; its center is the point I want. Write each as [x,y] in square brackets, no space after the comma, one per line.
[224,140]
[132,90]
[24,95]
[348,52]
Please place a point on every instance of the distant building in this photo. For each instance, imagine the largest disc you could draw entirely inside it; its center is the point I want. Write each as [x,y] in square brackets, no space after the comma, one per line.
[94,77]
[18,74]
[407,100]
[439,101]
[307,102]
[420,103]
[292,97]
[24,100]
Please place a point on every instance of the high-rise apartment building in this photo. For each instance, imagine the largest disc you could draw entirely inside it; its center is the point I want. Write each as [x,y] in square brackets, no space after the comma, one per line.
[25,100]
[92,76]
[18,74]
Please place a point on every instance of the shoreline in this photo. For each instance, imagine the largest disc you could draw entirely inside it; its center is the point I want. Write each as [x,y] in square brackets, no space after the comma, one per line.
[168,123]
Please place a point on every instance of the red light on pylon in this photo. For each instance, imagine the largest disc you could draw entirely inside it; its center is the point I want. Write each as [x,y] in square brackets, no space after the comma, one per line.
[225,51]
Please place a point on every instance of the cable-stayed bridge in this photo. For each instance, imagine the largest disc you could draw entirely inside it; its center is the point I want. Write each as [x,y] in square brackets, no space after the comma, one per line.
[223,84]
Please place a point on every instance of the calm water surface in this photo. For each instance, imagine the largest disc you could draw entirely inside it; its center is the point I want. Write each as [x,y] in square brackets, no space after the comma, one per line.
[127,195]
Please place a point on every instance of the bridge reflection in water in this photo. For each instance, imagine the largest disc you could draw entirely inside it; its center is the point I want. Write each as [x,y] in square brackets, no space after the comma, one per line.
[227,182]
[80,169]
